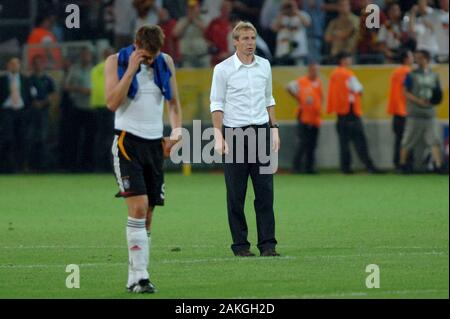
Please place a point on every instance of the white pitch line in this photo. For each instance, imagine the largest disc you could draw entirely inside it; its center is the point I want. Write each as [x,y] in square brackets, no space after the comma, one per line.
[224,259]
[214,246]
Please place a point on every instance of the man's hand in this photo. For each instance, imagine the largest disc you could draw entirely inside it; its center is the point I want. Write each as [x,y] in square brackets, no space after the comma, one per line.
[220,145]
[275,140]
[135,60]
[176,134]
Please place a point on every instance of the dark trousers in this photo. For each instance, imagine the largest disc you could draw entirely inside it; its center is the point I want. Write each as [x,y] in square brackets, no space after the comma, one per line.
[398,126]
[82,140]
[104,132]
[307,135]
[236,179]
[39,151]
[350,130]
[14,140]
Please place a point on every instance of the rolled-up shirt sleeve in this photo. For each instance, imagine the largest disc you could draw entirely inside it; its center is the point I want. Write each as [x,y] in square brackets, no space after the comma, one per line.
[355,85]
[218,91]
[270,101]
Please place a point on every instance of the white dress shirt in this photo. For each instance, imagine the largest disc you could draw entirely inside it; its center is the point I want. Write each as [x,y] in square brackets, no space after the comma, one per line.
[242,91]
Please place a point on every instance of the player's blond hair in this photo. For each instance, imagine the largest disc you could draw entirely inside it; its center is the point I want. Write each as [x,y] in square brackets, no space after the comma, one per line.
[242,25]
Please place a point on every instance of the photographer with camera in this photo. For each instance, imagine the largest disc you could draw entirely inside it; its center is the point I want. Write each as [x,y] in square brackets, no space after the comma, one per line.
[292,42]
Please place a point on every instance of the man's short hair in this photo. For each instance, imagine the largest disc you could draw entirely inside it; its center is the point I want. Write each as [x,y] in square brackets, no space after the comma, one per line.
[403,55]
[242,25]
[150,38]
[426,54]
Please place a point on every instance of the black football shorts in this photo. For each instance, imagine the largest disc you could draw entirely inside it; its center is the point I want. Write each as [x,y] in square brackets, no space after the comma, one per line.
[138,166]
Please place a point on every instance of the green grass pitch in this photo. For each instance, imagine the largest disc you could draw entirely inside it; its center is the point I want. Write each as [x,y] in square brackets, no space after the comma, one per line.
[329,228]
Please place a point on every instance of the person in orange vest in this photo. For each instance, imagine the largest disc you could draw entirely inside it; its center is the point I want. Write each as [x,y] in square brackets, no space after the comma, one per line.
[397,101]
[344,99]
[307,90]
[40,36]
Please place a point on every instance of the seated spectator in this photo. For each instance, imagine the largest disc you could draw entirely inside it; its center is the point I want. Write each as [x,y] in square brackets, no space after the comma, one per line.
[15,101]
[217,34]
[393,36]
[190,32]
[343,32]
[43,94]
[171,43]
[147,12]
[423,25]
[290,25]
[40,36]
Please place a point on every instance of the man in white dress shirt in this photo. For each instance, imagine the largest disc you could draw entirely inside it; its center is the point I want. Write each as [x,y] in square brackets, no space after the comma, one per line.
[242,104]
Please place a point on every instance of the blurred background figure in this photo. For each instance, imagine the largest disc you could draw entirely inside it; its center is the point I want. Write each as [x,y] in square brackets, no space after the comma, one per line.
[82,117]
[15,103]
[125,17]
[397,101]
[307,90]
[290,26]
[43,96]
[41,36]
[217,34]
[147,12]
[344,99]
[171,43]
[315,9]
[342,33]
[423,26]
[190,32]
[393,35]
[103,118]
[420,90]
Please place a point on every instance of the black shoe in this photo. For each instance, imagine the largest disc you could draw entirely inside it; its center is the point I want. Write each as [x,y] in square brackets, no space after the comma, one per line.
[348,171]
[144,286]
[244,253]
[311,172]
[269,253]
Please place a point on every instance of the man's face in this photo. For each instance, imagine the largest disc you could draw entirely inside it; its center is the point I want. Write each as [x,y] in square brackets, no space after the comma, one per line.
[313,71]
[409,59]
[421,59]
[246,44]
[344,7]
[395,11]
[14,65]
[148,57]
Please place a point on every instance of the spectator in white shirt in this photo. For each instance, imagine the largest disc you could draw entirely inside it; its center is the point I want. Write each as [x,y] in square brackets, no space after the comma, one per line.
[423,26]
[292,41]
[241,104]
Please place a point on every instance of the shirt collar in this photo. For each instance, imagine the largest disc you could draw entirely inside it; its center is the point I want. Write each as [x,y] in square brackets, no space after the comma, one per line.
[238,63]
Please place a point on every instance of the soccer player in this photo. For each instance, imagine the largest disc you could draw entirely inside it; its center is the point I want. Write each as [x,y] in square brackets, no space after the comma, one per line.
[344,98]
[307,90]
[241,98]
[138,80]
[397,101]
[420,85]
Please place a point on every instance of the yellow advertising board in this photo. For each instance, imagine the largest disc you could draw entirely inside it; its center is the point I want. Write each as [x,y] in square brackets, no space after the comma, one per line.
[195,85]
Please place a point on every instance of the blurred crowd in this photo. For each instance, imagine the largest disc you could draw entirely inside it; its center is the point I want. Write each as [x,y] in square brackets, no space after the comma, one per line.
[291,32]
[63,123]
